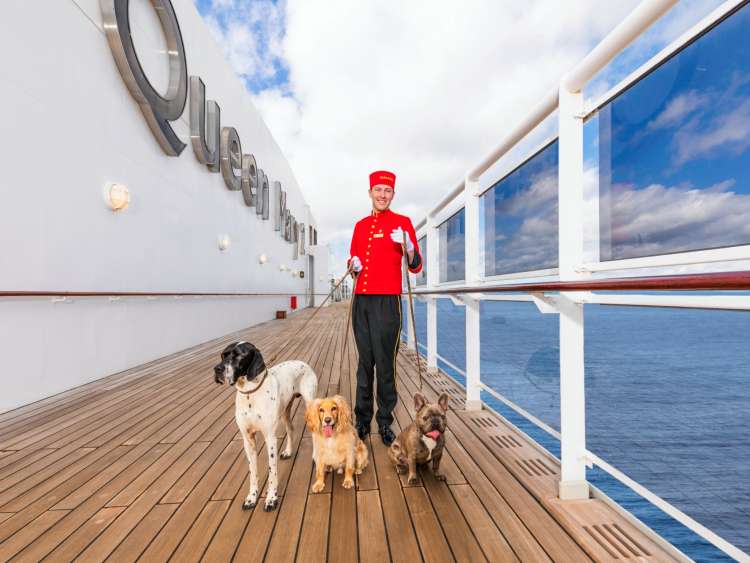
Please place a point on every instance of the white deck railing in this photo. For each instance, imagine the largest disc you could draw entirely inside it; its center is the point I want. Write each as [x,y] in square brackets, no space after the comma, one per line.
[568,101]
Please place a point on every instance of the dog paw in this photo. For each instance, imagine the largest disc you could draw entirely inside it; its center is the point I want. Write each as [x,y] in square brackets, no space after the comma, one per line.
[318,486]
[285,455]
[358,472]
[248,505]
[271,504]
[412,480]
[439,476]
[348,483]
[401,469]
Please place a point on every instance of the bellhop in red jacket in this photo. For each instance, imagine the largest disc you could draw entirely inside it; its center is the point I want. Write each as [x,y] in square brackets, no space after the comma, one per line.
[376,257]
[372,242]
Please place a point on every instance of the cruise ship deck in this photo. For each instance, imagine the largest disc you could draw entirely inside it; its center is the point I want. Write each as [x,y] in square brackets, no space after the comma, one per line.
[148,464]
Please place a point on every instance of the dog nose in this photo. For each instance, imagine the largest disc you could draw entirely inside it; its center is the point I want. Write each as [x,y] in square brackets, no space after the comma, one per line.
[327,420]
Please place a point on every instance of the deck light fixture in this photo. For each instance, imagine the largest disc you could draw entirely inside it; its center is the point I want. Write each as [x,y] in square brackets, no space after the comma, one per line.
[262,259]
[224,242]
[117,196]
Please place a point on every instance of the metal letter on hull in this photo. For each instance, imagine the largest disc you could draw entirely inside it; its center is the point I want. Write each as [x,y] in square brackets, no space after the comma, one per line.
[158,110]
[250,182]
[205,143]
[231,157]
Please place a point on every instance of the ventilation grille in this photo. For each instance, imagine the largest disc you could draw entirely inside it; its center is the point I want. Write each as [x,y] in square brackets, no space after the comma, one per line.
[535,467]
[506,441]
[616,541]
[484,422]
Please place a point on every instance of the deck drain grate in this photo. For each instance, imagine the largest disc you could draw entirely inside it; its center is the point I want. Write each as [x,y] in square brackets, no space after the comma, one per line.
[484,422]
[616,541]
[535,467]
[506,441]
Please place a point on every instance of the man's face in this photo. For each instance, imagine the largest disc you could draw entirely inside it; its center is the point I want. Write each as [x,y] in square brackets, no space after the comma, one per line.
[381,197]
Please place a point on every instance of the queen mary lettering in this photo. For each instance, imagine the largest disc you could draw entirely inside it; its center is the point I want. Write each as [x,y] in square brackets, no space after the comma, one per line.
[219,148]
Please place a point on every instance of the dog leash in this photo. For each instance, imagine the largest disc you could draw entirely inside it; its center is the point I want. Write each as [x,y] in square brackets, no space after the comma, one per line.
[411,310]
[291,338]
[355,276]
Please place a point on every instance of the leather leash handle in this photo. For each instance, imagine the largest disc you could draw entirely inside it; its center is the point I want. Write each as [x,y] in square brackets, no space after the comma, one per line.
[411,310]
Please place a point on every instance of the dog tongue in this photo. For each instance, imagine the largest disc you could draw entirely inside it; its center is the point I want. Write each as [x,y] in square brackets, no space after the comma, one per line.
[435,434]
[328,431]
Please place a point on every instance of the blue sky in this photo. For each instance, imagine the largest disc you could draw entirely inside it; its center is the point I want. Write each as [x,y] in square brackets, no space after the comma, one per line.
[264,22]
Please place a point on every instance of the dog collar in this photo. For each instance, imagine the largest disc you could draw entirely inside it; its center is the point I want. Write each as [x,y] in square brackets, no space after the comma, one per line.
[265,373]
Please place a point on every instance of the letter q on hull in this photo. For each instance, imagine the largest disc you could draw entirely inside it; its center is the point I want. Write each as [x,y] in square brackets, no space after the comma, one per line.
[158,110]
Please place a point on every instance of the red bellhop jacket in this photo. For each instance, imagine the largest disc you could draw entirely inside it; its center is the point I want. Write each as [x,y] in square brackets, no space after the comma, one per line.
[381,257]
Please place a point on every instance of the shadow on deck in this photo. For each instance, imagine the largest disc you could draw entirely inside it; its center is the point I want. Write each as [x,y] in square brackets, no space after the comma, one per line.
[148,464]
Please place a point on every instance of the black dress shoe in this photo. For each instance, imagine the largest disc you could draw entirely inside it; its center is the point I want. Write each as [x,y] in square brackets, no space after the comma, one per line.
[362,430]
[387,435]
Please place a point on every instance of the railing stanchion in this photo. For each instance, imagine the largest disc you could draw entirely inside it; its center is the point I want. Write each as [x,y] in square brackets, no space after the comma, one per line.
[472,276]
[573,484]
[432,263]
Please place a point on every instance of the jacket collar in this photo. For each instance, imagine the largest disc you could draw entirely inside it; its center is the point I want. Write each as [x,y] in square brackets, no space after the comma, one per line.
[375,213]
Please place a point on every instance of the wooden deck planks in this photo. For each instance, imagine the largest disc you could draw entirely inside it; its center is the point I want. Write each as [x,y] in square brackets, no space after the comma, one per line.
[148,464]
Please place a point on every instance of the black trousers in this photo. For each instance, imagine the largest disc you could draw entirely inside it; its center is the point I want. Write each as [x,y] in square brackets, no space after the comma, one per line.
[376,320]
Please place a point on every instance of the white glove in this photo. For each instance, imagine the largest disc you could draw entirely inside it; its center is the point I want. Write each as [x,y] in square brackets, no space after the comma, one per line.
[397,236]
[356,264]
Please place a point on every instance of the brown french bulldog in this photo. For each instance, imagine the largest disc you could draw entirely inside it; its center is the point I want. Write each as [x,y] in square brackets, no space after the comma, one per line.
[423,440]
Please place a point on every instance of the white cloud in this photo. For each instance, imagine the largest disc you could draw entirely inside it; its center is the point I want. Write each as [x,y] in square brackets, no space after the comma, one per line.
[678,109]
[423,88]
[728,131]
[659,219]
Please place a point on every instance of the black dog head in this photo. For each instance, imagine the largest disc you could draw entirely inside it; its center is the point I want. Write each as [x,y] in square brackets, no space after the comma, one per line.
[237,360]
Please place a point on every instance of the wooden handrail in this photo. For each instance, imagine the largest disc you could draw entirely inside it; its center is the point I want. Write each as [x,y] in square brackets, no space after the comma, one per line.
[685,282]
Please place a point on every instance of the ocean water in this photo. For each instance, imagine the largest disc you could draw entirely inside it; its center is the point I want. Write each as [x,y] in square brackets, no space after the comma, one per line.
[667,402]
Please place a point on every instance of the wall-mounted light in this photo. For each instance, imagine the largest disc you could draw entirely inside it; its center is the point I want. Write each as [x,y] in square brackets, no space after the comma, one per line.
[117,196]
[262,259]
[224,242]
[282,268]
[294,273]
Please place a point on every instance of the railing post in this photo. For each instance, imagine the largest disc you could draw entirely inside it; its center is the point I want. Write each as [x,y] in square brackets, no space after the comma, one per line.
[472,276]
[573,484]
[432,264]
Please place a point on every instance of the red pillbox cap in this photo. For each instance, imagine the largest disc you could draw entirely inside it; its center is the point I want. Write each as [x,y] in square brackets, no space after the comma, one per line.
[383,177]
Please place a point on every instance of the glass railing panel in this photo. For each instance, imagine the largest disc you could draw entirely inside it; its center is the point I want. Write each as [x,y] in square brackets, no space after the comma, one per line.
[674,151]
[420,318]
[668,404]
[452,248]
[451,337]
[519,217]
[520,358]
[422,275]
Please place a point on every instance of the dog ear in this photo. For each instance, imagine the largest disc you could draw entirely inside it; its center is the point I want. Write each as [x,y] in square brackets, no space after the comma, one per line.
[228,349]
[252,364]
[419,401]
[345,413]
[443,402]
[311,416]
